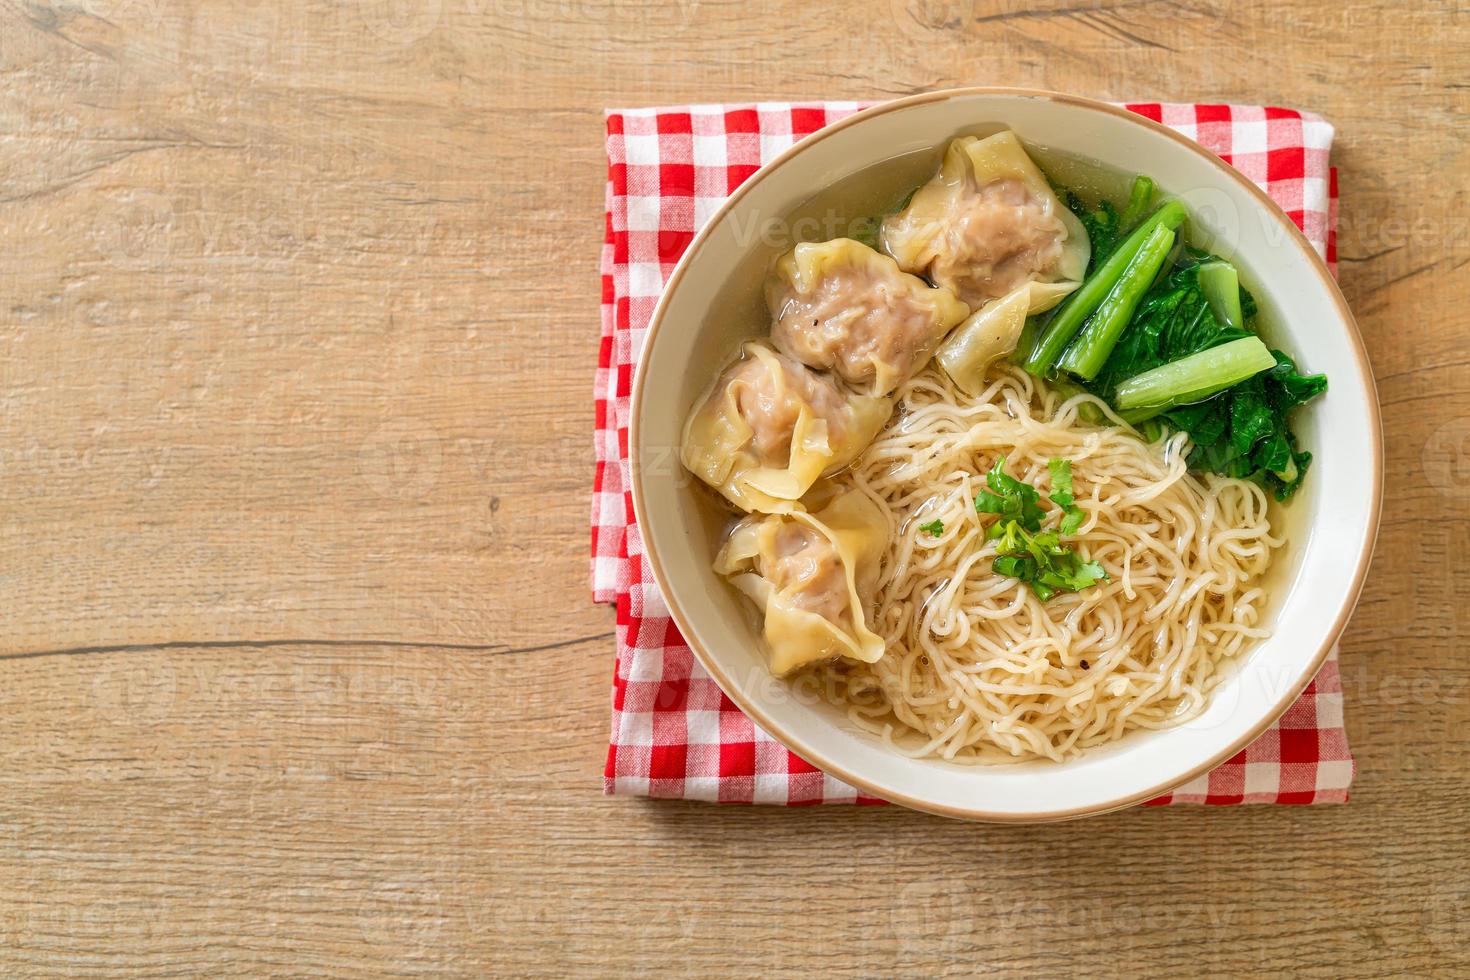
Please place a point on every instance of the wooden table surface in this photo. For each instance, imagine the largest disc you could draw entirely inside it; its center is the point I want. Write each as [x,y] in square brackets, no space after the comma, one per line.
[300,669]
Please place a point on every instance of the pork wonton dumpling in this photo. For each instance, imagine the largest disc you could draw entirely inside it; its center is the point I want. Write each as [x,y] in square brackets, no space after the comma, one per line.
[812,576]
[769,427]
[841,306]
[988,223]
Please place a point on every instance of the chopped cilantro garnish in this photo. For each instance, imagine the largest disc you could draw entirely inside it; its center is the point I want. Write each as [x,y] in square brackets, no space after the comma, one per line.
[1023,550]
[934,528]
[1043,562]
[1061,495]
[1010,499]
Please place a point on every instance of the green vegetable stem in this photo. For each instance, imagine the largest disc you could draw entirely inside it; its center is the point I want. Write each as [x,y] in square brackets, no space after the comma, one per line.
[1220,283]
[1087,355]
[1080,305]
[1175,352]
[1192,379]
[1139,198]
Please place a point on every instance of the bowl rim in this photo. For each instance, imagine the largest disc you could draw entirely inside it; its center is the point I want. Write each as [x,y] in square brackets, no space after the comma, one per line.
[1294,235]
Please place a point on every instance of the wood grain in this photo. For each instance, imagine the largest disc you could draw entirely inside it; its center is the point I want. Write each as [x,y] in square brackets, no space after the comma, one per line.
[300,673]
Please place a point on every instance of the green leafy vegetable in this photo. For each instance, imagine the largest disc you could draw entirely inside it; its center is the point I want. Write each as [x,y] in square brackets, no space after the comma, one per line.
[1286,388]
[934,528]
[1244,432]
[1140,196]
[1192,379]
[1173,321]
[1090,350]
[1234,402]
[1220,283]
[1077,307]
[1241,432]
[1247,306]
[1023,550]
[1102,224]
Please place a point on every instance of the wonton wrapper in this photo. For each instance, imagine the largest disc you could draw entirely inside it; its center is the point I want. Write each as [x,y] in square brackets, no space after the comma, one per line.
[841,306]
[987,223]
[988,335]
[769,427]
[812,576]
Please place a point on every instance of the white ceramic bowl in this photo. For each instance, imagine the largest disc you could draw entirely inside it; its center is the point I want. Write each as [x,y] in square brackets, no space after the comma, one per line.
[689,339]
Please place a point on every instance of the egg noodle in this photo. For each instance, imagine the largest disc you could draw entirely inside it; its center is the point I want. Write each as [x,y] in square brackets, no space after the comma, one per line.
[977,668]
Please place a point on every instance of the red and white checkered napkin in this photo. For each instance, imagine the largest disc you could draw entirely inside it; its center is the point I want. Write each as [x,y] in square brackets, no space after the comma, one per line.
[674,733]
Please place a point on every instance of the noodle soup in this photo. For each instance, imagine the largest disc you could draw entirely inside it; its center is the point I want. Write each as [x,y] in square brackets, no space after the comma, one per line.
[1057,568]
[979,668]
